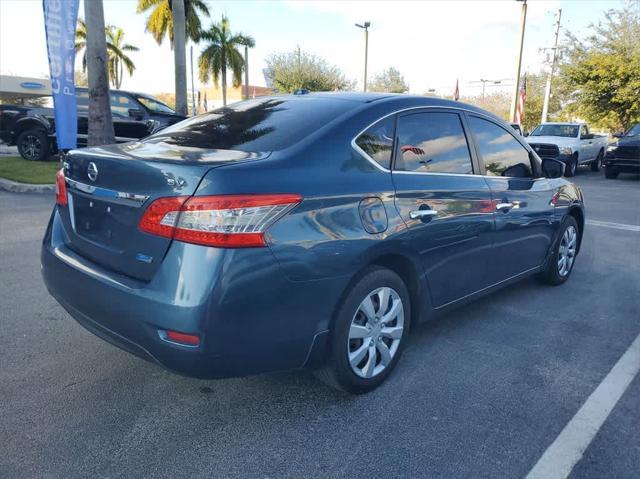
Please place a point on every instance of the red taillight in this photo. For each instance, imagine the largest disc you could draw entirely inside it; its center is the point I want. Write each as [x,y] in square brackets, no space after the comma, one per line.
[61,188]
[227,221]
[182,338]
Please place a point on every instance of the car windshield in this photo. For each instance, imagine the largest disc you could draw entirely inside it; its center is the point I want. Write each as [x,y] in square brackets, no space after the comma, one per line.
[154,105]
[634,131]
[260,125]
[567,131]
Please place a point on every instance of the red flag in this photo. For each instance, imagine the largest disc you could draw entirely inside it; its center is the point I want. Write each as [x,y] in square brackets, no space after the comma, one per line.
[521,99]
[456,92]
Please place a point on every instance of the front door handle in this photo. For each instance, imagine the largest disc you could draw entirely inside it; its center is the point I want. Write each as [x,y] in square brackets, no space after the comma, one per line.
[422,214]
[504,207]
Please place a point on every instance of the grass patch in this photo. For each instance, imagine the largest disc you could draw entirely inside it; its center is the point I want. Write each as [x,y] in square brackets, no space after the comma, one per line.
[16,168]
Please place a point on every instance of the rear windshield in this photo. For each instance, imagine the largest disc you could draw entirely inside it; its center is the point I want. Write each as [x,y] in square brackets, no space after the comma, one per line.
[260,125]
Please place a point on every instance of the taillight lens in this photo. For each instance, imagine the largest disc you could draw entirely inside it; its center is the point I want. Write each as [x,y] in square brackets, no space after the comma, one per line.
[228,221]
[61,188]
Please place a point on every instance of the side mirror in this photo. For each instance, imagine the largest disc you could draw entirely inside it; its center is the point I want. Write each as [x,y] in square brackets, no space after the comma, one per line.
[526,133]
[552,168]
[136,114]
[620,134]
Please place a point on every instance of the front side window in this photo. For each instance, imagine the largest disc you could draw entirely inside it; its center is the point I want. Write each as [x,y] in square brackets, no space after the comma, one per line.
[121,104]
[377,141]
[154,105]
[501,153]
[432,142]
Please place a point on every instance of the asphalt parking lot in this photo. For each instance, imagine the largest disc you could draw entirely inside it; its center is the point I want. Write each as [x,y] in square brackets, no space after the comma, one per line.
[481,392]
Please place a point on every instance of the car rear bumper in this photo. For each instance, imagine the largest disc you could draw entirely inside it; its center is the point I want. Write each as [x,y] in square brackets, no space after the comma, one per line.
[249,317]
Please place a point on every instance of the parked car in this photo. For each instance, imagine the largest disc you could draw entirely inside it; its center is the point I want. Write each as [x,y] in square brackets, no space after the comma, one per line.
[32,129]
[303,231]
[571,143]
[623,156]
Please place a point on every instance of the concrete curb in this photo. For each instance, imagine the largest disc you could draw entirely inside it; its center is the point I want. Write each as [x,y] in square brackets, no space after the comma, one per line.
[15,187]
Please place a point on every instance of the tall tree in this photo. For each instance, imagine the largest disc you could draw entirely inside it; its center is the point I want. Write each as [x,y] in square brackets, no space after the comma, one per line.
[221,53]
[160,20]
[389,81]
[180,55]
[295,70]
[602,72]
[118,59]
[116,48]
[100,131]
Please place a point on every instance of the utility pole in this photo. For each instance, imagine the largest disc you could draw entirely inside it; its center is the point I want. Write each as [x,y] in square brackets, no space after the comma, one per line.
[523,21]
[246,72]
[179,56]
[366,50]
[547,91]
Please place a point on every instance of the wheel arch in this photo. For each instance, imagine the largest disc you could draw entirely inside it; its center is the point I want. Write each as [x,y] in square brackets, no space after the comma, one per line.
[577,213]
[30,123]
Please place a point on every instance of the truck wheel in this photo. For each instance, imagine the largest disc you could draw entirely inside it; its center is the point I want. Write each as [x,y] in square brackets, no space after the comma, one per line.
[610,172]
[595,164]
[572,166]
[34,145]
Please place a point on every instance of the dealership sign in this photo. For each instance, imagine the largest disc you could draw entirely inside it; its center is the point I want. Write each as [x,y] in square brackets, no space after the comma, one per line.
[60,17]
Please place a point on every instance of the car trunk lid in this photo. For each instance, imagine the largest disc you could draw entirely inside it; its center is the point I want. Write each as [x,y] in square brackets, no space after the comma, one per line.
[110,187]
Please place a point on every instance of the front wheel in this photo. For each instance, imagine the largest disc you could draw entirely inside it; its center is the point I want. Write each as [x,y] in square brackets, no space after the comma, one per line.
[369,332]
[572,166]
[34,145]
[563,254]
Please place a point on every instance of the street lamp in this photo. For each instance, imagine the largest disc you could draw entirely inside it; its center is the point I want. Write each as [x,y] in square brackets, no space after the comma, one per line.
[365,27]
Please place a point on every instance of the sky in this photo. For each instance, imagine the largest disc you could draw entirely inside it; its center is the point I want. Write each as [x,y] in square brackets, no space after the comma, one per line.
[432,43]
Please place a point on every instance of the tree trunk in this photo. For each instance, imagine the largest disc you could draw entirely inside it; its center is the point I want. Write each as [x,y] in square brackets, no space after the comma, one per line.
[180,56]
[100,131]
[224,84]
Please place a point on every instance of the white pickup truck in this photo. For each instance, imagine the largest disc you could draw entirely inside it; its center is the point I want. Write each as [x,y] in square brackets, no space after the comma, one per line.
[571,143]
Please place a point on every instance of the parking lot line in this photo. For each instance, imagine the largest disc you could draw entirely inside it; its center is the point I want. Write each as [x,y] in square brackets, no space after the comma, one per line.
[617,226]
[565,452]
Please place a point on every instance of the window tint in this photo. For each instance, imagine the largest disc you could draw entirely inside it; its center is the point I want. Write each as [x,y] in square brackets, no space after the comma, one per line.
[432,142]
[121,104]
[82,100]
[501,153]
[260,125]
[377,141]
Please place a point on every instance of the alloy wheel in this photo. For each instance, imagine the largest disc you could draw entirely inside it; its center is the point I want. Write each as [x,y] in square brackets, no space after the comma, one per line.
[567,251]
[31,146]
[375,332]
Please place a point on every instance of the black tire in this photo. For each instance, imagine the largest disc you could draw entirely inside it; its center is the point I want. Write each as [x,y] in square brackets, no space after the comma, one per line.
[34,145]
[338,372]
[610,172]
[595,164]
[572,166]
[551,274]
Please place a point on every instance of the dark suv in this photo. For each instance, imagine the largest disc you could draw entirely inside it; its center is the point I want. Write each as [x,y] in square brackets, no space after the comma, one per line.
[308,231]
[32,129]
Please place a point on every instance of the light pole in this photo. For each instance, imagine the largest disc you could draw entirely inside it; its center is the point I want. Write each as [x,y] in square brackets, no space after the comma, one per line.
[523,21]
[366,49]
[246,72]
[547,90]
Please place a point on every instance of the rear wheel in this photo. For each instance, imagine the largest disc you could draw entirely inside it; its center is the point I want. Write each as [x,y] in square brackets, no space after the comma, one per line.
[610,172]
[572,166]
[595,164]
[563,255]
[368,333]
[34,145]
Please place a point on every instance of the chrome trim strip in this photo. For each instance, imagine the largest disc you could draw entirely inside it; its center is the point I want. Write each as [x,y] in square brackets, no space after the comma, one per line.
[138,200]
[386,170]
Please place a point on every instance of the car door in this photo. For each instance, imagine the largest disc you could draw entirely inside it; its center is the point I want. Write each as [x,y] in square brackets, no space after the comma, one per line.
[524,214]
[587,145]
[82,108]
[125,126]
[447,209]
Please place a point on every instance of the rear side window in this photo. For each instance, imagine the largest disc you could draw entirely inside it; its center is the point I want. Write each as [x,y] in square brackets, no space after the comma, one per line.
[501,153]
[260,125]
[377,141]
[432,142]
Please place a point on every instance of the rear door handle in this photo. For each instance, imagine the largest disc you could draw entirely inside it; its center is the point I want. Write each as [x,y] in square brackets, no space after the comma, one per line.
[422,214]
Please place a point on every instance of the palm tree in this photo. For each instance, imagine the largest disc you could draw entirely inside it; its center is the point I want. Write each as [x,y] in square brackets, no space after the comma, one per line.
[222,53]
[116,49]
[160,21]
[179,55]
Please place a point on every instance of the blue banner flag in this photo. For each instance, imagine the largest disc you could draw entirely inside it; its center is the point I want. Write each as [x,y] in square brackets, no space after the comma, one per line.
[60,17]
